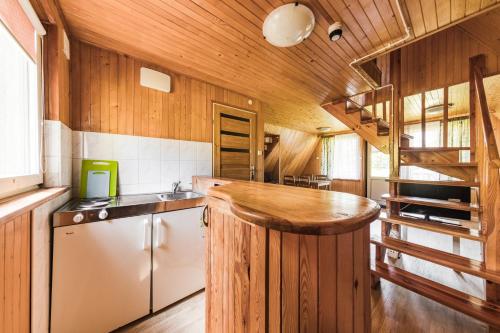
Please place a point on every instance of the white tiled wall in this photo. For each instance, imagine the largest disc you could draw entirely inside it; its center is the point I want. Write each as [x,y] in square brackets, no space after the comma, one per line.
[145,165]
[57,154]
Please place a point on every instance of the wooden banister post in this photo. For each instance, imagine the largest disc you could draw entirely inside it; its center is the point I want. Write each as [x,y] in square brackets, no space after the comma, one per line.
[484,149]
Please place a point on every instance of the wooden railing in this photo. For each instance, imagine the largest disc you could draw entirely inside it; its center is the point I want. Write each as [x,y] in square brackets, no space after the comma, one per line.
[477,64]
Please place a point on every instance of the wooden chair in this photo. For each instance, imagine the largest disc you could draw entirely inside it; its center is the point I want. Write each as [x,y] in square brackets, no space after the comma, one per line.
[304,181]
[289,180]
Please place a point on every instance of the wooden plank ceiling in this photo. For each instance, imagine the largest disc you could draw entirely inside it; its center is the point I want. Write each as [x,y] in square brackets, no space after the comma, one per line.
[220,41]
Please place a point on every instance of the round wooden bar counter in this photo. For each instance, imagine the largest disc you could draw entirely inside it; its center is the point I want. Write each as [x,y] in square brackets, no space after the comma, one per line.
[287,259]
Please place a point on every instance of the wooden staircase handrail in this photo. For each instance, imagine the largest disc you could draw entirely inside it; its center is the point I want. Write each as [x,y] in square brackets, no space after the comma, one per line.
[489,133]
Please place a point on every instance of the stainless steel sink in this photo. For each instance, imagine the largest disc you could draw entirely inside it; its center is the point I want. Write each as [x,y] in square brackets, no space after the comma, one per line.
[169,196]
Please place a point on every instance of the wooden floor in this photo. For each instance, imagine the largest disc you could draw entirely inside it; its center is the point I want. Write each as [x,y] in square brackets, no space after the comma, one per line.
[394,309]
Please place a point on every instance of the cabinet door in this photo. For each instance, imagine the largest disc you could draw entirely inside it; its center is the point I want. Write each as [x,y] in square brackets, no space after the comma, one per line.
[178,255]
[101,274]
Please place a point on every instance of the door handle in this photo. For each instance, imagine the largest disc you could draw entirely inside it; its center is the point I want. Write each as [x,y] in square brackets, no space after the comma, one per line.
[147,236]
[157,229]
[205,216]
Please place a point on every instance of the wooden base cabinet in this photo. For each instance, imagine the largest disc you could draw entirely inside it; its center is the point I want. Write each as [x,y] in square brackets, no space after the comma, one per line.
[265,280]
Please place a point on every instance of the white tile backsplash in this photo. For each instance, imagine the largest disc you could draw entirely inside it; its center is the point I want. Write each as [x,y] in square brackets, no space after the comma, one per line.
[149,148]
[97,146]
[77,144]
[203,151]
[187,150]
[125,147]
[203,168]
[57,154]
[76,171]
[145,165]
[169,174]
[149,171]
[187,171]
[128,172]
[170,150]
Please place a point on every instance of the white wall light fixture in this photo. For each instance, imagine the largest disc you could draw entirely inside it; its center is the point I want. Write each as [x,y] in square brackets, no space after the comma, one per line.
[288,25]
[155,80]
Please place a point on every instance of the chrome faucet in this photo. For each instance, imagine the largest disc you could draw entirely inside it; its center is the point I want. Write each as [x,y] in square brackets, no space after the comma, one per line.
[175,186]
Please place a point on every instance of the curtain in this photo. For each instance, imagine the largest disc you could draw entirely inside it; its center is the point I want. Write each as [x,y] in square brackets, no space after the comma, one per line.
[415,130]
[327,156]
[347,153]
[433,134]
[459,133]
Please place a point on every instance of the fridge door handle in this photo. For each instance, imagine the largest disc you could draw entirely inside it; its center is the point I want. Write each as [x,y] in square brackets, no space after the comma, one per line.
[147,236]
[157,231]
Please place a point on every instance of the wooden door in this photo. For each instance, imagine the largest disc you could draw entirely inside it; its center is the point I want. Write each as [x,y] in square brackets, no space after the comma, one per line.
[234,143]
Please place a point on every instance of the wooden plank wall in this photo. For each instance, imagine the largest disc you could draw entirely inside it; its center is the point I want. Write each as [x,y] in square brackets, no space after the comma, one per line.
[15,274]
[264,280]
[56,66]
[439,60]
[106,97]
[294,150]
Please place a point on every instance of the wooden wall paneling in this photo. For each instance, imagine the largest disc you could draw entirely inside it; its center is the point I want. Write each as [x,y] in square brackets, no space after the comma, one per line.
[111,99]
[258,275]
[345,305]
[15,271]
[56,77]
[327,291]
[295,150]
[308,282]
[228,269]
[274,314]
[276,281]
[113,93]
[75,88]
[290,286]
[441,60]
[217,271]
[242,235]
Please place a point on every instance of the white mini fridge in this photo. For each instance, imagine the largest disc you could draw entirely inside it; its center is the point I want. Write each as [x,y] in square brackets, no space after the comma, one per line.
[101,277]
[178,255]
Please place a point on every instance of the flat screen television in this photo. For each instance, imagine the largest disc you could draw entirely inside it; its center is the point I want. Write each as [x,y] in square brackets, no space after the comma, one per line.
[463,194]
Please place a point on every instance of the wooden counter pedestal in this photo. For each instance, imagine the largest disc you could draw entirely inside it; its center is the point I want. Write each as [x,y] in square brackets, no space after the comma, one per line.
[260,279]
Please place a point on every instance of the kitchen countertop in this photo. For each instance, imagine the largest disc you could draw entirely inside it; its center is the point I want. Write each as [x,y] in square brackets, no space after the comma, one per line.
[294,209]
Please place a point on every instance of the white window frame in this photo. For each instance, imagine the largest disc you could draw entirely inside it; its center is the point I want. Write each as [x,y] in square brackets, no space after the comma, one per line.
[17,184]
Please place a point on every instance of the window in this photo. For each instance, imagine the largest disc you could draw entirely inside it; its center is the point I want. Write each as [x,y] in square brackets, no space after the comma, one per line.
[379,163]
[20,121]
[342,157]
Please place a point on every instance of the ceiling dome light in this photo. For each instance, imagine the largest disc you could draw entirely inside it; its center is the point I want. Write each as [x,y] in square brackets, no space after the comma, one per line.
[288,25]
[324,129]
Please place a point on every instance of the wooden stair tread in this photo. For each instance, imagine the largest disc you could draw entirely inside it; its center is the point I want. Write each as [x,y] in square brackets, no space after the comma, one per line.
[448,229]
[450,260]
[470,305]
[460,164]
[465,206]
[459,183]
[438,149]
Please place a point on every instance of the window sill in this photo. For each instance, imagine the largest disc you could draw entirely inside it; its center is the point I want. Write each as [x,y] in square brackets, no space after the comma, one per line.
[21,203]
